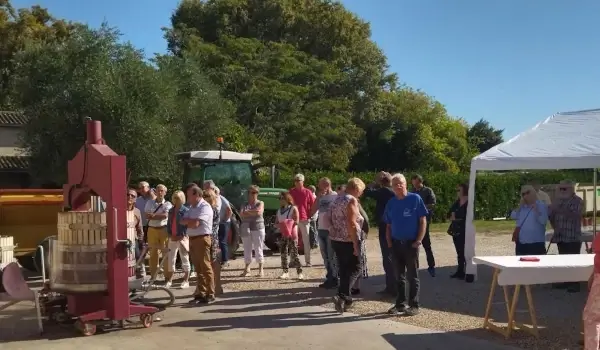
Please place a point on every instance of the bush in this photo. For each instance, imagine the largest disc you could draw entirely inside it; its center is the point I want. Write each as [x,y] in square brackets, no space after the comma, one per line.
[495,193]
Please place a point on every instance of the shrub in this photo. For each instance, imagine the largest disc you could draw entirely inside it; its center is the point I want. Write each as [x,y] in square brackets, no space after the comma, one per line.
[495,193]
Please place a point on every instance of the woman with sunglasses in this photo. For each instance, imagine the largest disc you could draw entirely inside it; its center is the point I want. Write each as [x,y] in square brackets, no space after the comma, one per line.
[253,230]
[289,244]
[531,218]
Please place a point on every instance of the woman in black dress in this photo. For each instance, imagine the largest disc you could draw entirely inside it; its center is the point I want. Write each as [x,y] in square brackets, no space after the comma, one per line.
[458,216]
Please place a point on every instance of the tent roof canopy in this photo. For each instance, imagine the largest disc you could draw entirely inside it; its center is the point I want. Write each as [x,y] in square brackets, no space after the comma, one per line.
[569,140]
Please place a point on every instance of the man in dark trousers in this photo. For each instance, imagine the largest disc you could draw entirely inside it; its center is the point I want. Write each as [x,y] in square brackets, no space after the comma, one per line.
[406,218]
[428,197]
[381,192]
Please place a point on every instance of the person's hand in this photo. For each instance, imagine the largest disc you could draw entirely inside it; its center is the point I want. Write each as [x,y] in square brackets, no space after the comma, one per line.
[416,244]
[452,217]
[356,250]
[149,215]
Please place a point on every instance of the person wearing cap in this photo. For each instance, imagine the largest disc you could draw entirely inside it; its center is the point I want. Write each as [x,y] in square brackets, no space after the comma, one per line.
[304,200]
[428,197]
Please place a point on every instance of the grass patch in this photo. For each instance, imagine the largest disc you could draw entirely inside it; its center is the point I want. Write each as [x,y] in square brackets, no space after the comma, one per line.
[481,227]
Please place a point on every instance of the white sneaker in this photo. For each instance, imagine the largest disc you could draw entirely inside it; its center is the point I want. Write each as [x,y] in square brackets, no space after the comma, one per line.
[284,276]
[168,284]
[193,274]
[300,277]
[184,285]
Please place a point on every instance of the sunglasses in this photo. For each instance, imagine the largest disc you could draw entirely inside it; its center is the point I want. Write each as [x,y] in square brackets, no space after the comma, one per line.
[563,189]
[129,195]
[253,192]
[525,193]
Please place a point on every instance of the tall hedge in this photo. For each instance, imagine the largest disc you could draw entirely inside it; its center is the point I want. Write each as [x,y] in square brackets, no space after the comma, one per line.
[495,193]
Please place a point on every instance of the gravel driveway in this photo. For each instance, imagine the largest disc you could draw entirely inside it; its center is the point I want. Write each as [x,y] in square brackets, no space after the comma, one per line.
[448,305]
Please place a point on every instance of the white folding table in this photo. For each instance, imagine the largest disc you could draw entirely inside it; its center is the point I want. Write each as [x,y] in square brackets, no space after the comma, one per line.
[510,271]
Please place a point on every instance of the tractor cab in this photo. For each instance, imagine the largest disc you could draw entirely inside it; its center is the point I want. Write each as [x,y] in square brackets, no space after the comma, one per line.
[230,171]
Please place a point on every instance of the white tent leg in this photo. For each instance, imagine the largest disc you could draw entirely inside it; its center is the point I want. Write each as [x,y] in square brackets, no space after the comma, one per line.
[470,229]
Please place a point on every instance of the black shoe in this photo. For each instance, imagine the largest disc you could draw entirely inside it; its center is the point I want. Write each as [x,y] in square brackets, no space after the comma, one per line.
[196,299]
[348,306]
[206,300]
[339,304]
[412,311]
[354,291]
[397,311]
[458,275]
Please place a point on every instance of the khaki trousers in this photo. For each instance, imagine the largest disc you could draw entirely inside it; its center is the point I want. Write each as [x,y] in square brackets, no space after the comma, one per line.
[157,241]
[200,256]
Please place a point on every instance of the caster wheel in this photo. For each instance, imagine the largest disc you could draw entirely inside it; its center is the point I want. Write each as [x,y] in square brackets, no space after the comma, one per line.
[146,320]
[86,329]
[60,317]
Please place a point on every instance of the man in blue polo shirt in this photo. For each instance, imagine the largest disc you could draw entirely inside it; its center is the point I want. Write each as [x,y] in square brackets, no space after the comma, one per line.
[406,218]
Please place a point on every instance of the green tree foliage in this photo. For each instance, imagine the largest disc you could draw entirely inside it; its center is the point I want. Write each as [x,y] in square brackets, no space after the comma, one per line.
[21,27]
[149,112]
[483,136]
[312,89]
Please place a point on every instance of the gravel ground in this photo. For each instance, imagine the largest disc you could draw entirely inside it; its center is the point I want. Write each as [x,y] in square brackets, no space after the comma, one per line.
[448,305]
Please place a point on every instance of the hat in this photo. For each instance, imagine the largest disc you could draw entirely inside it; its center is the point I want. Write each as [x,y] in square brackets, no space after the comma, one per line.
[299,177]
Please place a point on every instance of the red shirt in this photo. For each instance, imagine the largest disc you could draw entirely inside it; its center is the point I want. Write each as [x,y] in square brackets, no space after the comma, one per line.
[304,200]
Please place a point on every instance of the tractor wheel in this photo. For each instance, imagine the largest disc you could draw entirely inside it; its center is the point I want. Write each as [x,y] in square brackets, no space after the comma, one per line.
[27,262]
[272,240]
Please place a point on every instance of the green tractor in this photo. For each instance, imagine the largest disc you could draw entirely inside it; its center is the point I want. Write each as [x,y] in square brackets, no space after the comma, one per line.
[233,173]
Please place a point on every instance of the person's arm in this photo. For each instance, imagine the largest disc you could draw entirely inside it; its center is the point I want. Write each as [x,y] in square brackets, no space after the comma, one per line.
[204,215]
[422,215]
[228,210]
[541,213]
[431,200]
[387,218]
[515,213]
[352,221]
[295,215]
[452,211]
[161,216]
[315,207]
[573,210]
[371,192]
[138,224]
[148,209]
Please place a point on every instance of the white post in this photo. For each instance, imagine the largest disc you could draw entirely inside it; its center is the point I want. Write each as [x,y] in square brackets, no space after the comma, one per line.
[470,227]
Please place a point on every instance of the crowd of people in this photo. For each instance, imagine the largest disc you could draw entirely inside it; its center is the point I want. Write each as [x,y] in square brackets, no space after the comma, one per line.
[195,224]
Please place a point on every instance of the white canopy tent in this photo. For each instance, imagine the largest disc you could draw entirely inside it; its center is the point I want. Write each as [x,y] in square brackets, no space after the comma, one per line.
[568,140]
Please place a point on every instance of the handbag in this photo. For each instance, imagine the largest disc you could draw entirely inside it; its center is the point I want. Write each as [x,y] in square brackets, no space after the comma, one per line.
[517,230]
[287,226]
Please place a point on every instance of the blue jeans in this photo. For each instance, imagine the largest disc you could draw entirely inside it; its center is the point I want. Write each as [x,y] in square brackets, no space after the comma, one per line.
[223,244]
[386,255]
[328,256]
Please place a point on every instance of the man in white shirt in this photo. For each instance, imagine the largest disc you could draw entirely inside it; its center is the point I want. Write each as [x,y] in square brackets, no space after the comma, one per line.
[325,197]
[157,211]
[199,220]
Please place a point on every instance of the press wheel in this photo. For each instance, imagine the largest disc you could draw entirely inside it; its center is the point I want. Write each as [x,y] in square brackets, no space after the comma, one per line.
[146,320]
[86,329]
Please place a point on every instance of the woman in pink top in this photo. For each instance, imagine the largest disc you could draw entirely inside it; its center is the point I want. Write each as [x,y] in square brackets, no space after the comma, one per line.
[591,312]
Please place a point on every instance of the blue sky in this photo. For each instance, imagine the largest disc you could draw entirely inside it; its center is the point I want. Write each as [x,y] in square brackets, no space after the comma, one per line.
[512,62]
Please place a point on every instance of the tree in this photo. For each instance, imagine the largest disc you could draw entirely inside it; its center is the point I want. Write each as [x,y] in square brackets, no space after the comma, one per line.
[483,136]
[301,73]
[413,132]
[18,28]
[148,112]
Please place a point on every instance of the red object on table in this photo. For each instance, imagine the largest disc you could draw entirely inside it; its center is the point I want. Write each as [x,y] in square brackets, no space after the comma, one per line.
[530,259]
[98,170]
